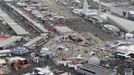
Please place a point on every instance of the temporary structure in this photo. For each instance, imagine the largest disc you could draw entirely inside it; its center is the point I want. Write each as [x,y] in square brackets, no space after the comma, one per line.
[20,50]
[129,36]
[46,52]
[94,60]
[2,61]
[15,59]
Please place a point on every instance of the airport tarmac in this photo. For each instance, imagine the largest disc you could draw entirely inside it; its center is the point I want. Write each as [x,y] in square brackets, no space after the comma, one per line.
[85,26]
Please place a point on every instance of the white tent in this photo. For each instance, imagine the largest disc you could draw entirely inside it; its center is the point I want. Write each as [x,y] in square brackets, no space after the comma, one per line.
[2,61]
[47,52]
[122,48]
[66,49]
[129,36]
[45,49]
[94,60]
[20,51]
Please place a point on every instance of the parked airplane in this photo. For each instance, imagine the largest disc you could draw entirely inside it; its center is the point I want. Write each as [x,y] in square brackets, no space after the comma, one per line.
[111,28]
[41,71]
[78,57]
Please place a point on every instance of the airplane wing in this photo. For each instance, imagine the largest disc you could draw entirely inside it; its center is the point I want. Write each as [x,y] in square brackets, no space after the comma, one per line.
[78,57]
[38,68]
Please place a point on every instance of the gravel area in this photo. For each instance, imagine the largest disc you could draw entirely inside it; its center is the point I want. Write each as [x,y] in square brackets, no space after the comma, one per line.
[61,10]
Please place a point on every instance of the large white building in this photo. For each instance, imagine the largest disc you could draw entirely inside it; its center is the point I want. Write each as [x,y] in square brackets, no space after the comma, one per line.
[122,23]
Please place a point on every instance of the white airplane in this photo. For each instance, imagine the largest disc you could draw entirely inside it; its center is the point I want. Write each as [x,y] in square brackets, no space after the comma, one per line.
[111,28]
[77,11]
[78,57]
[41,71]
[69,64]
[44,71]
[78,1]
[63,62]
[29,74]
[75,66]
